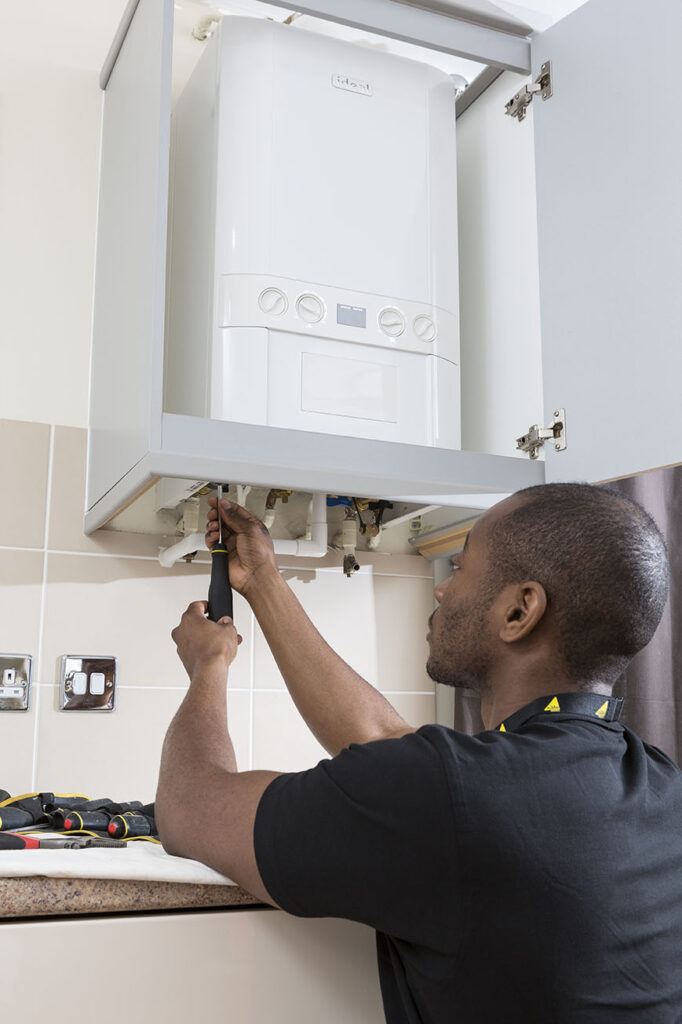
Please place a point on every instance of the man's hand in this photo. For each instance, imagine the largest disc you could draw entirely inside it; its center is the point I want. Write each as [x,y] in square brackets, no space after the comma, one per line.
[250,550]
[202,643]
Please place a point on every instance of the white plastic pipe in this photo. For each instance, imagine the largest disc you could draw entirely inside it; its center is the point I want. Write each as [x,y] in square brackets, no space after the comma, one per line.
[315,547]
[192,542]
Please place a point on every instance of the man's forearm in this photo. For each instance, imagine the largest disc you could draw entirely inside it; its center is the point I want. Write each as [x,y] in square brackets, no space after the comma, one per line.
[338,705]
[197,753]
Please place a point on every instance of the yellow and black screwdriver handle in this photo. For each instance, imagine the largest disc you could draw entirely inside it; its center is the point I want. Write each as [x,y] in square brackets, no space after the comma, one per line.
[219,591]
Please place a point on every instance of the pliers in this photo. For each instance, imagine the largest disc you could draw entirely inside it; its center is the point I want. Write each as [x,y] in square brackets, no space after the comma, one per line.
[14,841]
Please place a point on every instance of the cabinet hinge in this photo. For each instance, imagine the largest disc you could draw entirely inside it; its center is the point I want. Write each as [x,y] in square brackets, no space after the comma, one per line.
[518,104]
[533,441]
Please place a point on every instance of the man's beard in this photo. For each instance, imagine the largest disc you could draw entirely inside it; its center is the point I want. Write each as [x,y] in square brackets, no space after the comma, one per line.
[461,657]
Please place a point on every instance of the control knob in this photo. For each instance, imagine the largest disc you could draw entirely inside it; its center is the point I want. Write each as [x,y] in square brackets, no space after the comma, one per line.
[310,307]
[424,328]
[273,301]
[392,322]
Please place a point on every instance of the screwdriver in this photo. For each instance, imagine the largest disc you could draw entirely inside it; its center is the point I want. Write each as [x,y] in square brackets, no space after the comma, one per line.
[96,821]
[129,824]
[219,591]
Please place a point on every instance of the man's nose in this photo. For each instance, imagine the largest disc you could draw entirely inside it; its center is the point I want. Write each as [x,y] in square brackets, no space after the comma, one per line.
[440,590]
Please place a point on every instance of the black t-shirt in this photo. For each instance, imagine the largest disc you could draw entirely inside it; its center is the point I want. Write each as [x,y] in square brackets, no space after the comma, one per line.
[528,874]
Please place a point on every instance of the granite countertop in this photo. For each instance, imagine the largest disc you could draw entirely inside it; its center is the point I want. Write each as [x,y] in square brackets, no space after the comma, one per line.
[40,896]
[141,877]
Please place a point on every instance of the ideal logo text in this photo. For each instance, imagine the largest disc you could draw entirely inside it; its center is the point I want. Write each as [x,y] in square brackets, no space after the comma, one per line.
[351,85]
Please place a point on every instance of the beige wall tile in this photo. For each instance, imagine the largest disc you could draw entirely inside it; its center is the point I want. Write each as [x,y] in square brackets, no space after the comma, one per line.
[21,574]
[282,741]
[342,610]
[127,607]
[24,458]
[376,623]
[16,749]
[68,503]
[416,709]
[117,754]
[402,606]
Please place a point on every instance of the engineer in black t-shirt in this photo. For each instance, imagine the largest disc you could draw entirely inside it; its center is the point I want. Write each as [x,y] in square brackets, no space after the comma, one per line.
[531,873]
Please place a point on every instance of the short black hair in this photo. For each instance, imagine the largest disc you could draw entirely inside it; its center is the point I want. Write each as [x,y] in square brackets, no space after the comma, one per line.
[603,563]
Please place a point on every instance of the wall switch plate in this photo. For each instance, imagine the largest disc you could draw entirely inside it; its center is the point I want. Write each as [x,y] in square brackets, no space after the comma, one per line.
[87,683]
[15,681]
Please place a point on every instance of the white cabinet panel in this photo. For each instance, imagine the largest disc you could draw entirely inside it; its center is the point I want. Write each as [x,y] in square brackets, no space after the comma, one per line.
[128,321]
[499,301]
[246,966]
[608,171]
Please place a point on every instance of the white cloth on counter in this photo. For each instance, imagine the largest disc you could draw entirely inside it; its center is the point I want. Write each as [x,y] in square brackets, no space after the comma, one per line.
[138,861]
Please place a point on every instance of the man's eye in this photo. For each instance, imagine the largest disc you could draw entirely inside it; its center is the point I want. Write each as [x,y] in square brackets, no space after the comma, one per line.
[455,566]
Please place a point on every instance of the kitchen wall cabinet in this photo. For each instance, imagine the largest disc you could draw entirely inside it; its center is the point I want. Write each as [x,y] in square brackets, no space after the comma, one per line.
[609,218]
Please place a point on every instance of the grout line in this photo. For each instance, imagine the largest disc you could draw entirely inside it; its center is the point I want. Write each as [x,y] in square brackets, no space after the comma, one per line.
[12,547]
[109,554]
[154,558]
[252,680]
[243,689]
[337,570]
[154,689]
[35,688]
[41,620]
[384,693]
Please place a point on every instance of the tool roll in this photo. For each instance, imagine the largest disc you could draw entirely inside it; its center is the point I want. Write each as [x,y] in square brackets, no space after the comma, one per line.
[77,814]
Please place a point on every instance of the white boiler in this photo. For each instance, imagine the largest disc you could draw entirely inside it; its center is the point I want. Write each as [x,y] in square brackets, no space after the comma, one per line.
[313,275]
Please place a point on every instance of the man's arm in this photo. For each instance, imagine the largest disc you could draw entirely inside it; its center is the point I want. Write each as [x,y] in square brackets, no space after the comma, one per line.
[205,809]
[337,704]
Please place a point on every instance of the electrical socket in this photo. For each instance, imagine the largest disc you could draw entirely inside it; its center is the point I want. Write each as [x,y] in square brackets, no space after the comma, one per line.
[15,681]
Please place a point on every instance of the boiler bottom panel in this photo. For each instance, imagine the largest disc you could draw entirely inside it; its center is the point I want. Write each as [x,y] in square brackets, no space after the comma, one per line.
[282,379]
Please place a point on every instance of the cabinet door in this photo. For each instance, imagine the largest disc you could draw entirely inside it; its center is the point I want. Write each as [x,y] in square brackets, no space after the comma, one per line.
[608,155]
[129,304]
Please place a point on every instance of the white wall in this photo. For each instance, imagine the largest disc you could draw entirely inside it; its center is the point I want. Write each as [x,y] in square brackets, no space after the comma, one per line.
[50,106]
[499,288]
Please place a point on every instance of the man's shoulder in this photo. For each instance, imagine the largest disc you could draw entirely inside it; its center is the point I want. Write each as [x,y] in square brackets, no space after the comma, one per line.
[538,747]
[451,743]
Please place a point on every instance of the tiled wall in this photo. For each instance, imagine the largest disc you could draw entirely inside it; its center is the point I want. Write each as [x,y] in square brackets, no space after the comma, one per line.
[64,593]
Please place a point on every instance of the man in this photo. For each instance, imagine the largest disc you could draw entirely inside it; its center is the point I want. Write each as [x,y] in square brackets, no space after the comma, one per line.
[532,873]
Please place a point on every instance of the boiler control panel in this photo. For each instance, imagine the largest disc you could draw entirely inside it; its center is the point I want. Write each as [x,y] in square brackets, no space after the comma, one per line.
[250,300]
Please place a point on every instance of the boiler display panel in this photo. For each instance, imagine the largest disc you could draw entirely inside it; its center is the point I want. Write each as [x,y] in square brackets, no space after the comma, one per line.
[351,316]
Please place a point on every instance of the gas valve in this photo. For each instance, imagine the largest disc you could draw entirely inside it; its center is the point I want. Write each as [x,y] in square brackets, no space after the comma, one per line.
[349,540]
[274,494]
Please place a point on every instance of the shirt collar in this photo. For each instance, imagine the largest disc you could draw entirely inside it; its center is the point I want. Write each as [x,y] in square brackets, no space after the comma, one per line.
[582,705]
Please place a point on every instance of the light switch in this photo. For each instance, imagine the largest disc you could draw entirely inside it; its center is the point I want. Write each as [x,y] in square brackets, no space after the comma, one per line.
[87,683]
[15,681]
[97,680]
[79,683]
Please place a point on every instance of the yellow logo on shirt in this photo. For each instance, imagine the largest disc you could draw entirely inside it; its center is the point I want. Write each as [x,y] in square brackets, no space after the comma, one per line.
[502,728]
[601,712]
[553,705]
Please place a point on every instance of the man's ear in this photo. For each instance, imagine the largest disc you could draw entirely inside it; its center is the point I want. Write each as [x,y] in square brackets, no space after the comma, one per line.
[523,607]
